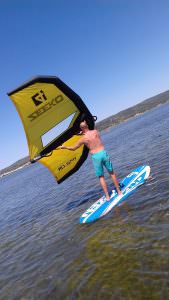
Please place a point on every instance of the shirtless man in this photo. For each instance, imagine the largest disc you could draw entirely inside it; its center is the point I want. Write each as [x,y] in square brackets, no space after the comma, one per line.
[100,157]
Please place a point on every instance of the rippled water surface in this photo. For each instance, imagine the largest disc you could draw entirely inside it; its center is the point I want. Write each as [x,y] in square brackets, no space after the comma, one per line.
[46,254]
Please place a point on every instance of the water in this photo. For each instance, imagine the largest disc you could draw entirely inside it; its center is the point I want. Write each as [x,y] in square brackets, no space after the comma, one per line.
[46,254]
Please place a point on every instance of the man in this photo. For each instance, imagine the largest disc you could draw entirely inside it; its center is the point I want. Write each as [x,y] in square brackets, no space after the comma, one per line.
[100,157]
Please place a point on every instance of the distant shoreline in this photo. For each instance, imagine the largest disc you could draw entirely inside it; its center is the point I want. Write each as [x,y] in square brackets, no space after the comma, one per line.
[14,170]
[111,121]
[131,112]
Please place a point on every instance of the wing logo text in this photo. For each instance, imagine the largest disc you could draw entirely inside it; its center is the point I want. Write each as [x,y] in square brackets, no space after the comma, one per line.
[37,113]
[66,164]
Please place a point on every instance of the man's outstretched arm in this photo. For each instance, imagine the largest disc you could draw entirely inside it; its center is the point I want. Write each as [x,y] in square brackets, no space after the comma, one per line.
[73,148]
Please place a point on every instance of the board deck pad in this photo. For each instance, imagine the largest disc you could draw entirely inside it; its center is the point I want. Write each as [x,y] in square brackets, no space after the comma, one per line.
[101,207]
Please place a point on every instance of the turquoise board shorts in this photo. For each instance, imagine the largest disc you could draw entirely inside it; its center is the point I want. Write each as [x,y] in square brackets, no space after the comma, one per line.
[101,159]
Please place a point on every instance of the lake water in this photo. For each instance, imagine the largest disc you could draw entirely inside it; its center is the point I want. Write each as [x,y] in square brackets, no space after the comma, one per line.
[46,254]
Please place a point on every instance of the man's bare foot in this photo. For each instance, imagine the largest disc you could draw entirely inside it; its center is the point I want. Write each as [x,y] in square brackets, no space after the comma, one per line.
[119,193]
[107,197]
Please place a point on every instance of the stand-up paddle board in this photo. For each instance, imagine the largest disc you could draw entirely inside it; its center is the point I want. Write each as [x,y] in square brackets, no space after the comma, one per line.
[129,184]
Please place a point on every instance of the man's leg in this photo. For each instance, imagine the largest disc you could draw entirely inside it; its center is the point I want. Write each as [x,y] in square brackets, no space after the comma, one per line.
[104,187]
[115,181]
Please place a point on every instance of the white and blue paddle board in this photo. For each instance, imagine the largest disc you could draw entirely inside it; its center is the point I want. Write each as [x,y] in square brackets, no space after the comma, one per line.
[101,207]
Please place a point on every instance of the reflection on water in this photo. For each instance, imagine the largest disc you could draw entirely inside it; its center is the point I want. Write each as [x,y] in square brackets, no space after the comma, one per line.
[124,262]
[46,254]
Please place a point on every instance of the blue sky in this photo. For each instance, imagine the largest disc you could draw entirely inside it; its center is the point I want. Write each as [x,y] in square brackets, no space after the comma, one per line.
[113,53]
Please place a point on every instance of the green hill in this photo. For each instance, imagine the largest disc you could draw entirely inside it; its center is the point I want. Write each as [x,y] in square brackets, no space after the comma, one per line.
[134,110]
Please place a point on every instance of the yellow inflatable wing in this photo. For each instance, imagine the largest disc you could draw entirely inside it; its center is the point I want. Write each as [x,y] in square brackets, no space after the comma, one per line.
[51,113]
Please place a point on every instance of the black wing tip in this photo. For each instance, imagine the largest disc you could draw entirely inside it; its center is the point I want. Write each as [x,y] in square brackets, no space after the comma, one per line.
[32,80]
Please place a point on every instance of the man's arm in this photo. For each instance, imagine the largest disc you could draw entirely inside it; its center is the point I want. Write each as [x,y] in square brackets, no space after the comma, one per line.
[76,146]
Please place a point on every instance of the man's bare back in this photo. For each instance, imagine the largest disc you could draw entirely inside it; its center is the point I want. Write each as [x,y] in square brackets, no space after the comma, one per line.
[92,140]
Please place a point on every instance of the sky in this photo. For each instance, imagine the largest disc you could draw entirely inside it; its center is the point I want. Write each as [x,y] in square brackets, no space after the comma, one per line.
[112,53]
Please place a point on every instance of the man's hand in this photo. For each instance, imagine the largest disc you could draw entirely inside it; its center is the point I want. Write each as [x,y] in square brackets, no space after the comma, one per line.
[62,147]
[80,133]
